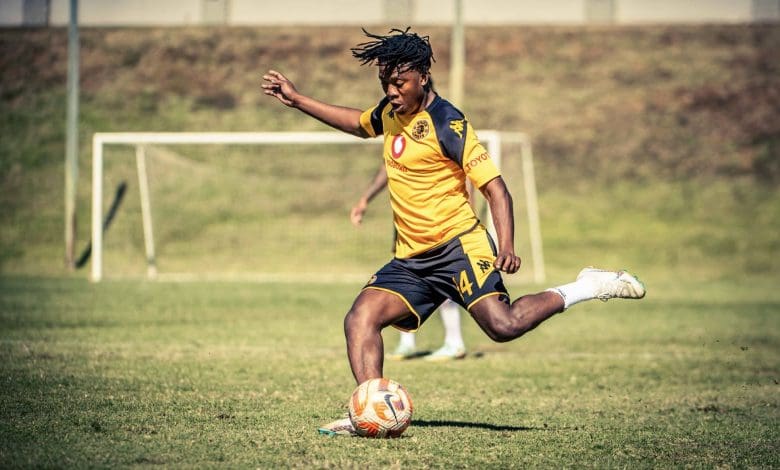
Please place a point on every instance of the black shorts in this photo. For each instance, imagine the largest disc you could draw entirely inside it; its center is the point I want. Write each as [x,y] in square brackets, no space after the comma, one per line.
[461,270]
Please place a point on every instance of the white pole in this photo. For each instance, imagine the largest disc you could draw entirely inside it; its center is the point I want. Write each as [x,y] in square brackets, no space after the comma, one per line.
[97,208]
[71,135]
[457,57]
[238,138]
[146,211]
[534,226]
[493,140]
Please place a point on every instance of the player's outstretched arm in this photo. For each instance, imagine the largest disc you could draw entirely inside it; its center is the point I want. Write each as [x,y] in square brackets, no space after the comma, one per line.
[339,117]
[500,202]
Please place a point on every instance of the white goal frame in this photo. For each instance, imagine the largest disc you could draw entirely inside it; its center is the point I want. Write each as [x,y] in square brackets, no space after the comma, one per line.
[491,138]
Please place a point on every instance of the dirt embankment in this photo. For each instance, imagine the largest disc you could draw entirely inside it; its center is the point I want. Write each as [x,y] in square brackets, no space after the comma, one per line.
[674,102]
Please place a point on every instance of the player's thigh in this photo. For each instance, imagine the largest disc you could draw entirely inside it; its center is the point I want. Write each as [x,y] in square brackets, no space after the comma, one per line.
[379,307]
[491,313]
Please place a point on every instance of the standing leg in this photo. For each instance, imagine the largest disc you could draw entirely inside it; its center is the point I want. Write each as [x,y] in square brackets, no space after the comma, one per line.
[372,311]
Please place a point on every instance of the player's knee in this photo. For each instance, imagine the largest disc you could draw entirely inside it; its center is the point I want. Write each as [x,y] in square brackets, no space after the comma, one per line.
[503,328]
[358,319]
[501,332]
[350,322]
[496,320]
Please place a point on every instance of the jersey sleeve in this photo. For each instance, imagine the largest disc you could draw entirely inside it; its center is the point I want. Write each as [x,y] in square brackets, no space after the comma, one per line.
[459,143]
[477,164]
[371,119]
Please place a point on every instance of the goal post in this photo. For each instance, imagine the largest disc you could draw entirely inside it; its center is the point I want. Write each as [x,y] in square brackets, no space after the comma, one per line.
[492,139]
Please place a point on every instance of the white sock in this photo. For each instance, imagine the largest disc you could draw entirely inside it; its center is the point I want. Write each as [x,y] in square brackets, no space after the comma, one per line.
[450,318]
[407,340]
[574,292]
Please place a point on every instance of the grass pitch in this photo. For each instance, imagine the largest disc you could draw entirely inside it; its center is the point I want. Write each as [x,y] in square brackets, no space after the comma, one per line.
[234,375]
[655,148]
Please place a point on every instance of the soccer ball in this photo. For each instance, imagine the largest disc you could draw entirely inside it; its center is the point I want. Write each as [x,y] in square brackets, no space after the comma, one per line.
[380,408]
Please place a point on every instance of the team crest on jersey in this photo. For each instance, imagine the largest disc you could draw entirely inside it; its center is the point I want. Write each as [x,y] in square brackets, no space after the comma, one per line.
[420,130]
[398,146]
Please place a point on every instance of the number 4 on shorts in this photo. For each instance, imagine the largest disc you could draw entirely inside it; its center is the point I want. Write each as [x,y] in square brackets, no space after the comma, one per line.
[464,285]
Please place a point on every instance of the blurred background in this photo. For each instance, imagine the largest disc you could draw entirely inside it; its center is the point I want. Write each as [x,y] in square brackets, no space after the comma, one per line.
[654,128]
[361,12]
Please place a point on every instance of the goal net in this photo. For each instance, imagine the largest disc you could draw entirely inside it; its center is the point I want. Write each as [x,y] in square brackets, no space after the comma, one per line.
[264,206]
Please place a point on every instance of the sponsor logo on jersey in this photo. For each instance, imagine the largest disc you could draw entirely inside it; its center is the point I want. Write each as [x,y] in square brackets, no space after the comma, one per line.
[397,166]
[457,127]
[398,146]
[471,164]
[420,130]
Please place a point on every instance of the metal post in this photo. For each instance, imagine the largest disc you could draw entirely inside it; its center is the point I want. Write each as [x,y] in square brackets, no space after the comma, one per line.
[457,57]
[493,140]
[146,211]
[72,143]
[532,203]
[97,208]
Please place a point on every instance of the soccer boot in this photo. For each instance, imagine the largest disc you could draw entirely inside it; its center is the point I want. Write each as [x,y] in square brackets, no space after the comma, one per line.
[446,353]
[402,353]
[340,427]
[613,284]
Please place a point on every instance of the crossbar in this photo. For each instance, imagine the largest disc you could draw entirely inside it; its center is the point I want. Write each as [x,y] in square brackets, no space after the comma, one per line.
[491,138]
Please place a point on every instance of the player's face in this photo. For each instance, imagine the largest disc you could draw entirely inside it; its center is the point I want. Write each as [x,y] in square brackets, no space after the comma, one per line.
[405,90]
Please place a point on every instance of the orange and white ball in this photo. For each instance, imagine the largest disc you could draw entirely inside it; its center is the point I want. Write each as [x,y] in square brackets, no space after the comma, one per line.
[380,408]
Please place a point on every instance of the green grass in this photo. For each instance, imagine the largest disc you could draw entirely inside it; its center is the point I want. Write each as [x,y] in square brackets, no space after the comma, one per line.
[236,375]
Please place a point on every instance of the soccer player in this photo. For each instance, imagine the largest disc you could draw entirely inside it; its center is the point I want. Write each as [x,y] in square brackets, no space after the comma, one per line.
[442,250]
[453,347]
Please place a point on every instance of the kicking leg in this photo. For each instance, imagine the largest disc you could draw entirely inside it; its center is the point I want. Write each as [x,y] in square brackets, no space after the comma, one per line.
[504,322]
[593,283]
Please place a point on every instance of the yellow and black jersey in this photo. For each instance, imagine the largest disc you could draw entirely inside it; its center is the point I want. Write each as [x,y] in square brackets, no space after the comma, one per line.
[428,157]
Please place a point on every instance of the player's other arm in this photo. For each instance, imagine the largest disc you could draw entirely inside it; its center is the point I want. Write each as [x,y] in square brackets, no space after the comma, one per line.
[500,202]
[339,117]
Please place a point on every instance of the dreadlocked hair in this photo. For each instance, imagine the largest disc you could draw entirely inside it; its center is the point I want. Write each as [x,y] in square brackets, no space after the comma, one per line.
[400,50]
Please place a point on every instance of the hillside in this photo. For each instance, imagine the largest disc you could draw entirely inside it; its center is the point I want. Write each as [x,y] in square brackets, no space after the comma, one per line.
[676,101]
[688,114]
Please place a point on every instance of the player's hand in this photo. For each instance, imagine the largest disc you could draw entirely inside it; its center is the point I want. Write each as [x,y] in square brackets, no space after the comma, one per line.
[356,214]
[279,86]
[507,262]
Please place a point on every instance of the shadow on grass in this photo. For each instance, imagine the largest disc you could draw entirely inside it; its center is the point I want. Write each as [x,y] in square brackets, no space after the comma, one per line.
[462,424]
